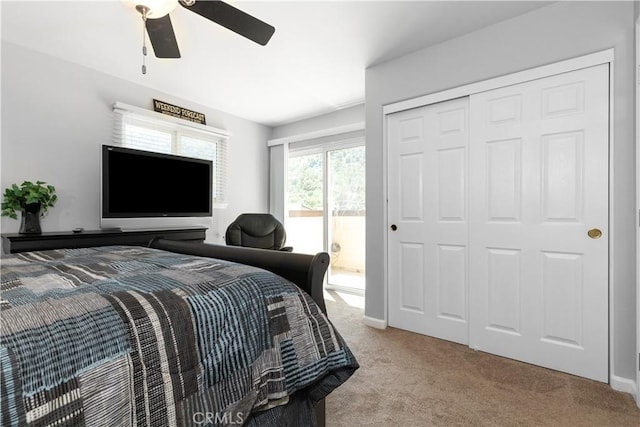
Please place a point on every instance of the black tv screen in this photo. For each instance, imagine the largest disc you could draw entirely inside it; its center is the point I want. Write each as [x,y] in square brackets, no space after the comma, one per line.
[139,184]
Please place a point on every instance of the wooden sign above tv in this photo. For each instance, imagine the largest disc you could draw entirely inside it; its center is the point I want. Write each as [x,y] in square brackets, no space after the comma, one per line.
[175,111]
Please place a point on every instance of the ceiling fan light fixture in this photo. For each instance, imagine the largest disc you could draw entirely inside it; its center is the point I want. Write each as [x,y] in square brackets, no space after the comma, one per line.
[156,8]
[157,23]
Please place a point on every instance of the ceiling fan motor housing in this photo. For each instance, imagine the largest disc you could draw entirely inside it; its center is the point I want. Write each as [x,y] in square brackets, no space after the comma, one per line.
[155,8]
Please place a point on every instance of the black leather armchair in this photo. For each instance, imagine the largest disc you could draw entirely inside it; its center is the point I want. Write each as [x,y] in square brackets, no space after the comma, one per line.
[257,230]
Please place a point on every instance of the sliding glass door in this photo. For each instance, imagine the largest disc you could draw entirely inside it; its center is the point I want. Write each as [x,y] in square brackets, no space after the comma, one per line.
[326,208]
[305,212]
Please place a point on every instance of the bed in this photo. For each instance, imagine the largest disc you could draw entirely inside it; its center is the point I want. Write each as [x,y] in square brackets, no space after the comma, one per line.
[176,333]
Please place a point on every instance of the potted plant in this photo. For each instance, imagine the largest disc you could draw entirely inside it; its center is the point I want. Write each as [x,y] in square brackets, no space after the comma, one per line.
[32,200]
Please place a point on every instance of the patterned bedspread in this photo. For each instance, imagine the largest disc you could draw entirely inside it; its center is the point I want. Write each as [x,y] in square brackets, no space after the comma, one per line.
[137,336]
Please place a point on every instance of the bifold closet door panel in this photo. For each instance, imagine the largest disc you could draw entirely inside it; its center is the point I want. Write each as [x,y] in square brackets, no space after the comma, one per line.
[428,220]
[539,222]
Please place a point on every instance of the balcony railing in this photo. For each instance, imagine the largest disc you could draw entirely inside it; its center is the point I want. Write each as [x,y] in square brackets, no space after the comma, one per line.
[346,233]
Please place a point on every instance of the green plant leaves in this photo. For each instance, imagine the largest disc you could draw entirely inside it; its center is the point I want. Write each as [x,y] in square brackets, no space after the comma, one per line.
[15,198]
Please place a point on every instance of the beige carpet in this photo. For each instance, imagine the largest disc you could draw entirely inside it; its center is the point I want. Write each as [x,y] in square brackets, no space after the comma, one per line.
[406,379]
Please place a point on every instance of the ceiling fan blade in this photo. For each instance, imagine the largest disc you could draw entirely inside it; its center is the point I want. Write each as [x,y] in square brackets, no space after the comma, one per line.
[162,37]
[233,19]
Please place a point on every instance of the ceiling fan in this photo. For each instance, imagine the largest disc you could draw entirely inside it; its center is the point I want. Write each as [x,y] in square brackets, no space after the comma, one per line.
[155,14]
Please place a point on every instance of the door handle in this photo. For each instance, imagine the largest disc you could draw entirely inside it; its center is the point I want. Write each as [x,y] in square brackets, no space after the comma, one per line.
[394,227]
[594,233]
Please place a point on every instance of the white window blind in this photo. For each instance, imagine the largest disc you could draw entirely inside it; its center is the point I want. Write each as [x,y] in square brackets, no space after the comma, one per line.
[150,131]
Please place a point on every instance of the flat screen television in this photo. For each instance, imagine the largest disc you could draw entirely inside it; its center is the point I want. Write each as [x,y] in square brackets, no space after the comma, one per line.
[143,185]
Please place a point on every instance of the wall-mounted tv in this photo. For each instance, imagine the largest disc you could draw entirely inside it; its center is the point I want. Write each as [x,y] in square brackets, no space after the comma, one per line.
[144,185]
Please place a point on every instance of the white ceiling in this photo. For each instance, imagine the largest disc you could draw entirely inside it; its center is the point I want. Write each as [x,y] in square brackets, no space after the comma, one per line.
[314,63]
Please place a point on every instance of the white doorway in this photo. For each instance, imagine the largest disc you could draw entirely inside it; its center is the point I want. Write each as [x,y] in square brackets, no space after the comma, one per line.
[506,240]
[326,208]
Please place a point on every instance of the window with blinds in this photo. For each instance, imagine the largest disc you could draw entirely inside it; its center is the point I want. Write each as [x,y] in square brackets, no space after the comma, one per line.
[150,131]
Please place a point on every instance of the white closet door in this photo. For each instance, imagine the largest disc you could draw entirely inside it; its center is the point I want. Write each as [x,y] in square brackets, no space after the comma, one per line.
[538,185]
[428,253]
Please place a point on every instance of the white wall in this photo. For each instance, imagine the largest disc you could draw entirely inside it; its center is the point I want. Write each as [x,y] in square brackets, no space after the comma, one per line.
[336,119]
[55,117]
[550,34]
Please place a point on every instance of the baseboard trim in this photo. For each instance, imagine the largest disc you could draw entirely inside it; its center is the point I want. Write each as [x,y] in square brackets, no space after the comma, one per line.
[374,323]
[625,385]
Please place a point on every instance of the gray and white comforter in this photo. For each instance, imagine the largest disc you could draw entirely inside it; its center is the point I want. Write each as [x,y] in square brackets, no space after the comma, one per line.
[136,336]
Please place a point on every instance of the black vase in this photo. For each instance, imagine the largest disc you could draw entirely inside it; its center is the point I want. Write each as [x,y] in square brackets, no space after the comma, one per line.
[30,223]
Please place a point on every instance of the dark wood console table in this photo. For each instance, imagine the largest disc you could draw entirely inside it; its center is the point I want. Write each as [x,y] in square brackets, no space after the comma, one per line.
[12,243]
